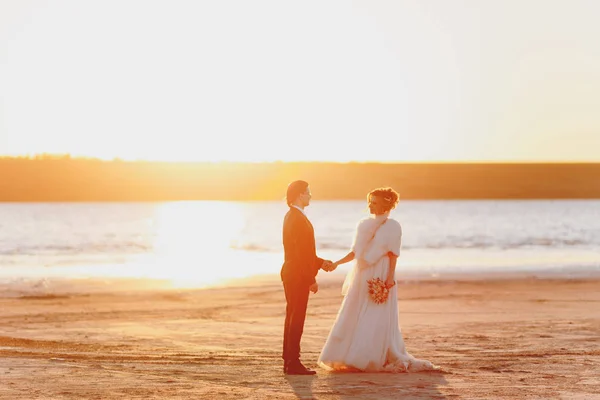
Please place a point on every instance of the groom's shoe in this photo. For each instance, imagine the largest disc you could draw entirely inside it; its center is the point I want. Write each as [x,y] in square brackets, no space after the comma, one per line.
[296,368]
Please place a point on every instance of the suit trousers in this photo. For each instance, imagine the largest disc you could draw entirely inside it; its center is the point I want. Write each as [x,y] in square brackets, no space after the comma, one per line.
[296,297]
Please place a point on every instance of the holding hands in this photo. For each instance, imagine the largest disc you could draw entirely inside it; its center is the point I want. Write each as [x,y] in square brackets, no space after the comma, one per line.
[328,265]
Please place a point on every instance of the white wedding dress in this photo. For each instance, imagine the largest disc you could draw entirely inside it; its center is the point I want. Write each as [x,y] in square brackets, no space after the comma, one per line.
[366,336]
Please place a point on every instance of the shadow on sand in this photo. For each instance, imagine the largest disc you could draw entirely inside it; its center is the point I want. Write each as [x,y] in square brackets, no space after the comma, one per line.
[380,386]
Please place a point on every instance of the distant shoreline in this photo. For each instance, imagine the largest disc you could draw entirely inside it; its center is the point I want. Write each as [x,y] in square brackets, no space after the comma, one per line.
[65,179]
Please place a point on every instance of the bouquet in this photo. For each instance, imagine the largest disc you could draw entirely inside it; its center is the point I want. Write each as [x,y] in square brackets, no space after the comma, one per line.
[378,291]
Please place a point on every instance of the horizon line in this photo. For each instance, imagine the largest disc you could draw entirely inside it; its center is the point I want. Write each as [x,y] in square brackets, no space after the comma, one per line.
[68,156]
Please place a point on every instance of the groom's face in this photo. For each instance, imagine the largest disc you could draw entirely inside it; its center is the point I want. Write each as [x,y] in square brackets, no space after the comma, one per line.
[305,197]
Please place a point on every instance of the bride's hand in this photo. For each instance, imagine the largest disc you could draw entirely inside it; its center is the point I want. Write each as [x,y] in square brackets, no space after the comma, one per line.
[390,282]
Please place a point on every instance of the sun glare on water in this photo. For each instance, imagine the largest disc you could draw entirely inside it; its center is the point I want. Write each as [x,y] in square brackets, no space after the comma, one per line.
[193,240]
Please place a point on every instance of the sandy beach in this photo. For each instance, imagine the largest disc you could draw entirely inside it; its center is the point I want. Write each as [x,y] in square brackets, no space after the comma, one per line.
[496,339]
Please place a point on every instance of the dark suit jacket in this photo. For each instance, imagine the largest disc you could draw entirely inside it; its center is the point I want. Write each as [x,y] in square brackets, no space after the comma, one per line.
[301,262]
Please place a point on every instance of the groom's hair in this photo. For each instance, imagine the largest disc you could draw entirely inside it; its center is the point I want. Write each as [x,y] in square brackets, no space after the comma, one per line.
[294,190]
[389,195]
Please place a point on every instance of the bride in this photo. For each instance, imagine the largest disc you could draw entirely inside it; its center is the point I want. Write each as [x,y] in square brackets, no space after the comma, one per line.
[366,336]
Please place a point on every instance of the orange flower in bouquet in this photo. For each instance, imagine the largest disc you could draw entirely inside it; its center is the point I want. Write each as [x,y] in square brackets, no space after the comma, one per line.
[378,291]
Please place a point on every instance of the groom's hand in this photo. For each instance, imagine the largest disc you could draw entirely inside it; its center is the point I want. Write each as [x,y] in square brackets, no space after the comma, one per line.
[314,287]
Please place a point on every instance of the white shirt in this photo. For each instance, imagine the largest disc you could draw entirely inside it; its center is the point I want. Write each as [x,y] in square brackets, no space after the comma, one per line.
[301,210]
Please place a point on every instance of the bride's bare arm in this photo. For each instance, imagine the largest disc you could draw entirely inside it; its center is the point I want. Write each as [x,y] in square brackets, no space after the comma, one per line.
[347,258]
[391,276]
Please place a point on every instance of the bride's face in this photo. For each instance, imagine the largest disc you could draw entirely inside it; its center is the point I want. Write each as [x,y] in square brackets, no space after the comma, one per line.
[377,205]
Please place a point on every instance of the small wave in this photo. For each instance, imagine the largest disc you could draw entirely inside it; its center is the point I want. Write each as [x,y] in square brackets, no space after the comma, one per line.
[18,287]
[333,246]
[66,286]
[265,249]
[468,244]
[89,248]
[253,247]
[127,248]
[457,244]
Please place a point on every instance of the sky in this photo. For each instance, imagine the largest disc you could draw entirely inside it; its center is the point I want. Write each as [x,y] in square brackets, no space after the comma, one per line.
[387,81]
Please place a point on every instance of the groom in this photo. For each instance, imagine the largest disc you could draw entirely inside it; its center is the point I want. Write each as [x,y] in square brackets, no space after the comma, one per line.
[298,274]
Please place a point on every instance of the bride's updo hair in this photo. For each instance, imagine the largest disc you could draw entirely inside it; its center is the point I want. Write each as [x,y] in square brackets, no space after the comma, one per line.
[388,195]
